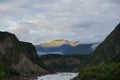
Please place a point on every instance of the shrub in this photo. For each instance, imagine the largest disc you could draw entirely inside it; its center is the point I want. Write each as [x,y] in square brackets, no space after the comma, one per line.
[102,72]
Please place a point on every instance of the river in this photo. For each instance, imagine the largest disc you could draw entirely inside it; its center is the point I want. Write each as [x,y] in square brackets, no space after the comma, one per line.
[58,76]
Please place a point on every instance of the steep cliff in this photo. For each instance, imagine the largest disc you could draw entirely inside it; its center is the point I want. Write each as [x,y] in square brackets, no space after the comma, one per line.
[106,57]
[21,56]
[109,49]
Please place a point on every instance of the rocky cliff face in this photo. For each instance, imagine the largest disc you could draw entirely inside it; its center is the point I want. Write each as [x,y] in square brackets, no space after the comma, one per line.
[109,49]
[21,56]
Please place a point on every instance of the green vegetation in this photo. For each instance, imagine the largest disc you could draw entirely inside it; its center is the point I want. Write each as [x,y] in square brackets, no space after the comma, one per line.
[56,56]
[101,72]
[7,73]
[64,63]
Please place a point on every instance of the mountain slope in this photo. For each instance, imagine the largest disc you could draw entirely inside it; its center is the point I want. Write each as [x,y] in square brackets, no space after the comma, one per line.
[106,57]
[64,63]
[82,49]
[109,49]
[21,56]
[54,49]
[57,43]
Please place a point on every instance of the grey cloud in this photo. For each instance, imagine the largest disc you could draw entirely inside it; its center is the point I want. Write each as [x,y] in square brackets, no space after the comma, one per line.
[39,21]
[115,1]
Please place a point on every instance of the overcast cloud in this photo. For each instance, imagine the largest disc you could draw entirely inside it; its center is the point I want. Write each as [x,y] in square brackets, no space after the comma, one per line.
[38,21]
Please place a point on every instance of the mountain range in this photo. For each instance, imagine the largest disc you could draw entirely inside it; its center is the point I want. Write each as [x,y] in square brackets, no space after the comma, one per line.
[106,52]
[21,58]
[55,47]
[82,49]
[66,47]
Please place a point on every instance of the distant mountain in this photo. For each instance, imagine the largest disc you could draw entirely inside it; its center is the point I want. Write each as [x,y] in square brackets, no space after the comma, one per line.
[55,47]
[20,56]
[109,49]
[58,43]
[82,49]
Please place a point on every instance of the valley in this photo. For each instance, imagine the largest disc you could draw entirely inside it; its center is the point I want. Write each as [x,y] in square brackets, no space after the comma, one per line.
[59,39]
[20,60]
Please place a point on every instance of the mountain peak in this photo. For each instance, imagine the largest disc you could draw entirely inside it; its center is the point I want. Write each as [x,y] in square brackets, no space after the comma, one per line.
[58,42]
[61,41]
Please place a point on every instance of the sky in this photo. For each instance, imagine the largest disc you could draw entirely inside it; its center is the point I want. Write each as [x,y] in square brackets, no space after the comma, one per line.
[39,21]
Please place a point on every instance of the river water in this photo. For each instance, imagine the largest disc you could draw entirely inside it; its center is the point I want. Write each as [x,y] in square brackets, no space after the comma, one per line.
[58,76]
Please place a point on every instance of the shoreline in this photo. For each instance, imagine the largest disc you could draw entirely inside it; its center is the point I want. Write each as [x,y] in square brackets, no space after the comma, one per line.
[35,76]
[31,77]
[58,75]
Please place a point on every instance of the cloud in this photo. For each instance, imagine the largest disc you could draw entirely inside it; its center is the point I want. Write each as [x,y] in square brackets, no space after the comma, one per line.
[39,21]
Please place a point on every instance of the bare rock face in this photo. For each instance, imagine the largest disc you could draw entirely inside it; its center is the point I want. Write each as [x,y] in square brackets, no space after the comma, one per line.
[21,56]
[109,49]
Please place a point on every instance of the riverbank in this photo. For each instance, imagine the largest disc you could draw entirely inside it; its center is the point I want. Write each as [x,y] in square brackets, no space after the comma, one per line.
[58,76]
[31,77]
[76,78]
